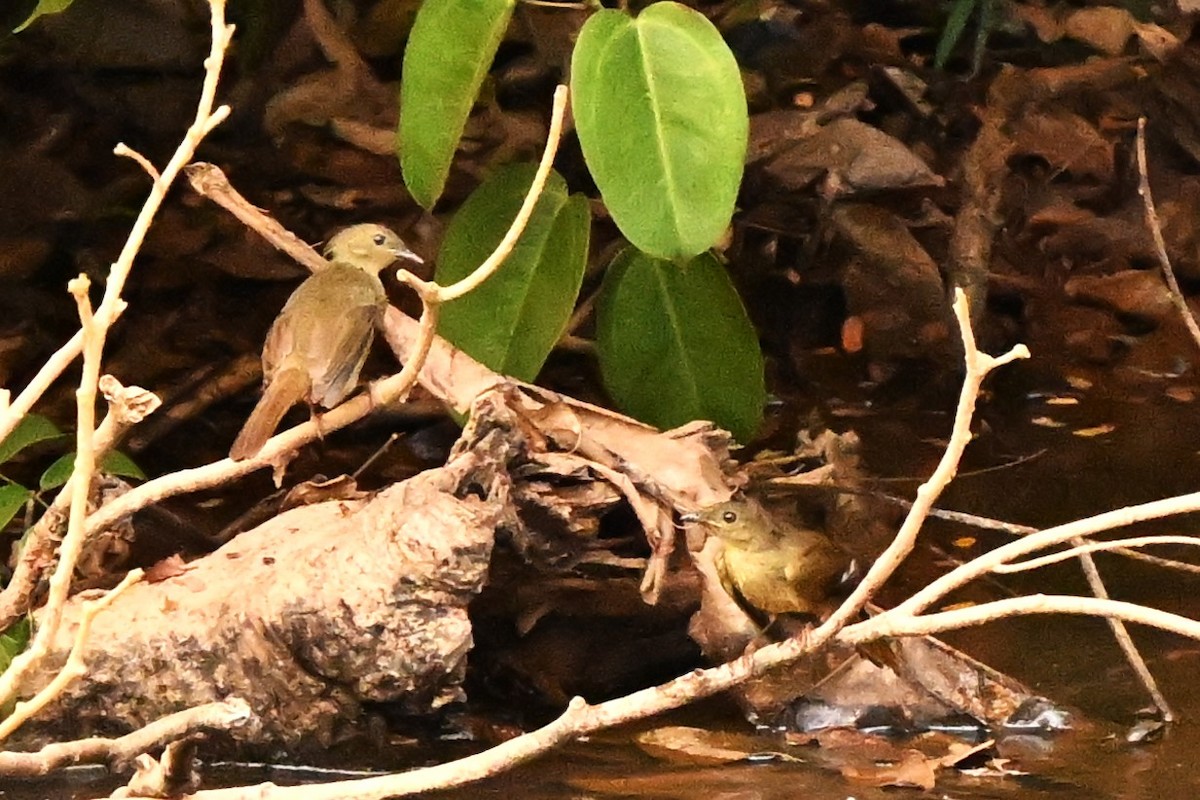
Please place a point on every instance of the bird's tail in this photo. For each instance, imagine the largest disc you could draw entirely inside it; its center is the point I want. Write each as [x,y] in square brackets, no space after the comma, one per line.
[287,388]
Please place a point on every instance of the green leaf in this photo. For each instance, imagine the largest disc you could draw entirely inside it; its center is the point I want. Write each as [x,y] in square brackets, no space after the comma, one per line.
[449,52]
[675,344]
[57,473]
[512,322]
[14,641]
[960,14]
[13,498]
[33,428]
[114,463]
[987,21]
[44,7]
[661,115]
[117,463]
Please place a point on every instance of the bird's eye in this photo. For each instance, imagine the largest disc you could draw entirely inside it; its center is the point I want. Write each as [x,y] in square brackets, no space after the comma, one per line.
[729,517]
[379,239]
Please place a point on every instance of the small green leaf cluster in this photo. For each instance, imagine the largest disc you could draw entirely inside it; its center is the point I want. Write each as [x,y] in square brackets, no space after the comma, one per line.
[661,117]
[12,643]
[961,12]
[34,429]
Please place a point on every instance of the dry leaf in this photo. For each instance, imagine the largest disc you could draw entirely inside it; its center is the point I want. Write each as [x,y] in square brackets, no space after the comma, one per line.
[170,567]
[1106,28]
[914,769]
[853,331]
[680,743]
[1097,430]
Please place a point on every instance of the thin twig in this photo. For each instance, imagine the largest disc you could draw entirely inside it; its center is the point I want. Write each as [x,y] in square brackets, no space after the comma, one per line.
[112,305]
[1092,573]
[489,267]
[122,750]
[978,364]
[1050,537]
[209,181]
[93,332]
[1160,245]
[75,667]
[1093,547]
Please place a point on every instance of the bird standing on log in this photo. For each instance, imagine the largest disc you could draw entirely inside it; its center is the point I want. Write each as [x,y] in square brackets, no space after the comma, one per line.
[319,341]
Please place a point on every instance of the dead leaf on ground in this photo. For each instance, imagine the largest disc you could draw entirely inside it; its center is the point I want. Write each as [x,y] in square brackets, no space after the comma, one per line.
[1106,28]
[1094,431]
[913,770]
[684,744]
[1136,293]
[855,157]
[1067,141]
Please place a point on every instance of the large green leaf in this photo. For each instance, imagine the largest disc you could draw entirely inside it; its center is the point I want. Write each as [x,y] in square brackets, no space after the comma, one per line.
[675,344]
[513,320]
[32,428]
[449,52]
[661,115]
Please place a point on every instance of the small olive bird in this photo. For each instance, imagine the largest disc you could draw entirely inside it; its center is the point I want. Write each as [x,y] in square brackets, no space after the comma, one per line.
[771,568]
[319,341]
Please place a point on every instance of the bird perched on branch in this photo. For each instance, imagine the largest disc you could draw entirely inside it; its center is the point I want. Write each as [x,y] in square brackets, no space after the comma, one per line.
[771,568]
[319,341]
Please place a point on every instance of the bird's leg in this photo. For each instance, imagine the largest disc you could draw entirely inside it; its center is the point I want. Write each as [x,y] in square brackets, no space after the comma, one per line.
[315,415]
[788,626]
[375,395]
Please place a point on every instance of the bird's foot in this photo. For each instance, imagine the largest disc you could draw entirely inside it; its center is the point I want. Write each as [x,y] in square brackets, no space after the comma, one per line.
[375,395]
[315,416]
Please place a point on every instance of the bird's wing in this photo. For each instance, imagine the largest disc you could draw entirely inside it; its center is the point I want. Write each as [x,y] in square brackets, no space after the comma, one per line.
[757,616]
[280,344]
[335,353]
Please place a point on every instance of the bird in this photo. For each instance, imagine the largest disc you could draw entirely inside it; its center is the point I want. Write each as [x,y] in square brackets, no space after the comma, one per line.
[781,576]
[318,343]
[771,568]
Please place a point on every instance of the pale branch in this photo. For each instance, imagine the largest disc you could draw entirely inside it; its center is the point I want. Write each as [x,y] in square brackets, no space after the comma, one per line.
[897,623]
[978,365]
[123,750]
[1158,561]
[1050,537]
[72,544]
[94,327]
[1092,573]
[493,262]
[210,182]
[1160,245]
[111,305]
[1095,547]
[126,407]
[74,668]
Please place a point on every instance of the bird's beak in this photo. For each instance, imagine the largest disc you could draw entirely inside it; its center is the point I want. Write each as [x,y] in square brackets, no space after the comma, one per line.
[402,252]
[689,518]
